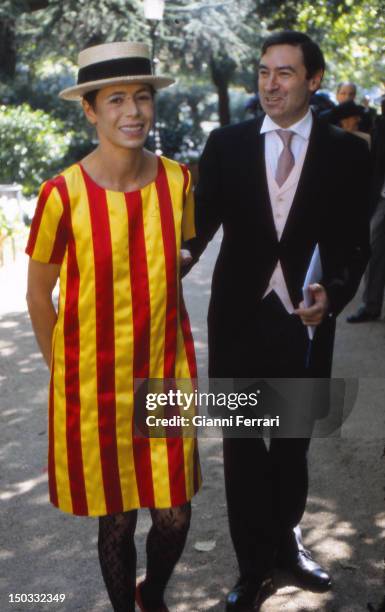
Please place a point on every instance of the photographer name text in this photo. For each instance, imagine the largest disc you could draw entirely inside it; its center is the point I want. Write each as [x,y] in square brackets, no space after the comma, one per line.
[197,420]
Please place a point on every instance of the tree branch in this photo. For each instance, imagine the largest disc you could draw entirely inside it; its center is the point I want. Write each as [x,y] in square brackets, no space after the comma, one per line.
[36,5]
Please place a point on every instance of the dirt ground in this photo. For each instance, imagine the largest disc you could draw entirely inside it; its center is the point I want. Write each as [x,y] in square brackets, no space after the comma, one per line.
[46,551]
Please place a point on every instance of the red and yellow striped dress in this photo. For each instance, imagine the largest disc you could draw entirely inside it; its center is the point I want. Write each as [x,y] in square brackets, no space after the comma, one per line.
[121,316]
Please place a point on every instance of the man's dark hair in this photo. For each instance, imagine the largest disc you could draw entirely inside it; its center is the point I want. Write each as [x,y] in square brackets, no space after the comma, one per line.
[312,55]
[90,96]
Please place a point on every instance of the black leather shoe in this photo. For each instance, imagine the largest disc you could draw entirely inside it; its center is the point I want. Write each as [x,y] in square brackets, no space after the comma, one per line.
[362,316]
[248,594]
[308,572]
[294,558]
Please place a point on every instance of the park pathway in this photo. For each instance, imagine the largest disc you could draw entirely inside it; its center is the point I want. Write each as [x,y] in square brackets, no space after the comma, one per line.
[45,551]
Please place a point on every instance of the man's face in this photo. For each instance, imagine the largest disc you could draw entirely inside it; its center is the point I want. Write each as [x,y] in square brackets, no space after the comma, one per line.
[346,93]
[282,84]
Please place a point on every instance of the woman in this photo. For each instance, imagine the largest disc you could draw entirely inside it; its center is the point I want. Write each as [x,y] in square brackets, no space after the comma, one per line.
[110,228]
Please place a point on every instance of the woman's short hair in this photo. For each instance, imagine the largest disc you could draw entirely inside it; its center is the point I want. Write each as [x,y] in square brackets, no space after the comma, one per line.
[90,97]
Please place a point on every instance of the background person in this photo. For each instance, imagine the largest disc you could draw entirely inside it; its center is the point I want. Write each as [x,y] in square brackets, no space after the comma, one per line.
[321,102]
[369,118]
[110,227]
[374,286]
[346,92]
[348,116]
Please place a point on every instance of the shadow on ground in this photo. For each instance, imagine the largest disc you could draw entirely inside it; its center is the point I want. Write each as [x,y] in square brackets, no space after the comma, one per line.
[46,551]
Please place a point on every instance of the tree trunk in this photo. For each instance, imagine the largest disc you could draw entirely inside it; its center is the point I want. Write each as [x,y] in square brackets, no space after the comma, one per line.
[223,104]
[7,48]
[222,70]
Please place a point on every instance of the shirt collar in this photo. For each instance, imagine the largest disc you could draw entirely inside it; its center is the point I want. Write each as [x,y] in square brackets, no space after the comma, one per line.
[301,128]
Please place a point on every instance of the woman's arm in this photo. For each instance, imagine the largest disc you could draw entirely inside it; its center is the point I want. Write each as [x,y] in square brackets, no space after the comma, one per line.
[42,279]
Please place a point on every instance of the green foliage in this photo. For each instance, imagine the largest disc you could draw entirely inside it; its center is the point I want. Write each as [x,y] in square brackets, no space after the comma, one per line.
[284,15]
[6,227]
[181,110]
[353,42]
[197,34]
[211,40]
[41,92]
[352,39]
[202,43]
[11,225]
[32,146]
[66,26]
[182,113]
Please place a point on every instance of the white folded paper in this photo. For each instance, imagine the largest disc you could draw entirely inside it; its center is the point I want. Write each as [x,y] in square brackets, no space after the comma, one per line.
[313,275]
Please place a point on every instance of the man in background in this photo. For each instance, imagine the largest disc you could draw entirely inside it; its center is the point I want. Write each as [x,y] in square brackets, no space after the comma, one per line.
[345,92]
[374,286]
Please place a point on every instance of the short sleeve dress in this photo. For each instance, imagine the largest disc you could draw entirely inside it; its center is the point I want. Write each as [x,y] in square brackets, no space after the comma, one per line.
[121,317]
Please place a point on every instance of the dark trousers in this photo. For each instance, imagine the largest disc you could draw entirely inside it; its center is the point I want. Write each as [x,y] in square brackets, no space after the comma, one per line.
[266,485]
[266,491]
[375,274]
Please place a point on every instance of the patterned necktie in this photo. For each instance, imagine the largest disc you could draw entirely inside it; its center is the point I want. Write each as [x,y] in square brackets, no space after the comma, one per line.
[286,160]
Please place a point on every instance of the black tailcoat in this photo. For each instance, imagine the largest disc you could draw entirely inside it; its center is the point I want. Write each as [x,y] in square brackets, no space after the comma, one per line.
[330,208]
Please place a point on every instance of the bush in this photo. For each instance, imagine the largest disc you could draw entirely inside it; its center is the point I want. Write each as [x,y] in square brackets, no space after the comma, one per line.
[33,146]
[181,110]
[39,89]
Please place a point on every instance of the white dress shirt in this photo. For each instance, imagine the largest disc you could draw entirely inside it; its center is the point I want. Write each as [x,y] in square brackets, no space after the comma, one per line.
[274,145]
[281,198]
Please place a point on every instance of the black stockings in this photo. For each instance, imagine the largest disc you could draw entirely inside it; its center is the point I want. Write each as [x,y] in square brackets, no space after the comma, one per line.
[117,555]
[165,544]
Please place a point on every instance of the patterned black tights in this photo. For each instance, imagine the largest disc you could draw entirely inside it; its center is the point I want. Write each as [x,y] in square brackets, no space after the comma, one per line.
[117,555]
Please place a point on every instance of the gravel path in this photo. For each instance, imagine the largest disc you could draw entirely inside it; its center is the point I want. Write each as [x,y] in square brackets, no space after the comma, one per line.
[46,551]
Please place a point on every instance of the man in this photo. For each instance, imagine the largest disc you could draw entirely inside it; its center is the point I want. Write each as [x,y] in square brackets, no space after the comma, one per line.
[279,185]
[346,92]
[373,296]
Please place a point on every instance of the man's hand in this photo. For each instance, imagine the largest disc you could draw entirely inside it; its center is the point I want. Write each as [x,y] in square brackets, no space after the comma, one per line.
[315,314]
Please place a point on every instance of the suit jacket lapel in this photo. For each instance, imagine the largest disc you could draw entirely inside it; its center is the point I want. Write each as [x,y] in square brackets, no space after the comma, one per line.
[258,187]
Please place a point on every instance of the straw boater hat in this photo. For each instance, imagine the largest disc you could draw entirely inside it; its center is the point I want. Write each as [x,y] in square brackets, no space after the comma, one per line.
[114,64]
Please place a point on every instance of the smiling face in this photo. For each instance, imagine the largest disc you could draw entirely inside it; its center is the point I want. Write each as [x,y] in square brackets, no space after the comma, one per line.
[123,115]
[283,86]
